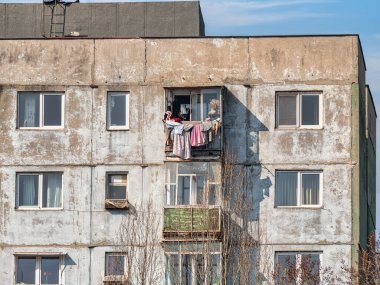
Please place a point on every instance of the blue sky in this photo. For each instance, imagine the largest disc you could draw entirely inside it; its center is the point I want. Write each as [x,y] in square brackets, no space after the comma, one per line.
[288,17]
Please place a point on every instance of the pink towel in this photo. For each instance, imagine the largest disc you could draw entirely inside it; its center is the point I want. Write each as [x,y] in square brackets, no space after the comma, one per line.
[197,136]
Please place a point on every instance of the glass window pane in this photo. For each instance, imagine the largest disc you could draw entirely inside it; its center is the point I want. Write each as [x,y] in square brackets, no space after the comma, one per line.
[173,269]
[170,194]
[310,266]
[28,190]
[287,110]
[26,270]
[215,271]
[117,186]
[196,107]
[117,192]
[183,196]
[200,273]
[286,188]
[286,269]
[310,110]
[50,270]
[117,110]
[213,194]
[199,183]
[187,270]
[310,189]
[52,110]
[115,265]
[29,110]
[52,190]
[211,105]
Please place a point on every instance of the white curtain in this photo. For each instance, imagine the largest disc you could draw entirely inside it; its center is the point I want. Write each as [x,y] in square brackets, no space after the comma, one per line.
[53,190]
[30,111]
[286,189]
[28,190]
[310,189]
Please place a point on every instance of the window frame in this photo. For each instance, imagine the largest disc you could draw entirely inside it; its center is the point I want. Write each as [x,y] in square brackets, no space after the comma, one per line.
[172,92]
[299,189]
[298,255]
[109,253]
[41,125]
[127,110]
[206,192]
[203,252]
[108,174]
[38,270]
[39,192]
[299,95]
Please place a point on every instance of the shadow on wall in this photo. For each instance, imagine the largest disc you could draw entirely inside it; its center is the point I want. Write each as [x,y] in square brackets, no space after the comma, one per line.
[241,129]
[244,187]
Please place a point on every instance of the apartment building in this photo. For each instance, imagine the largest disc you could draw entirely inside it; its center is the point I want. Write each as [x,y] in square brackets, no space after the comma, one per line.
[244,152]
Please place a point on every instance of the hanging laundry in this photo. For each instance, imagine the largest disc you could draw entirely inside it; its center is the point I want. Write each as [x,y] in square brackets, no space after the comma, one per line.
[197,136]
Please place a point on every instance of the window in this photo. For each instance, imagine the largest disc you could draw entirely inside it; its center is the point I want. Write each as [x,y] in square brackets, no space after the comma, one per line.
[194,104]
[118,111]
[40,110]
[298,268]
[298,109]
[39,190]
[298,188]
[192,184]
[117,186]
[38,270]
[193,264]
[115,264]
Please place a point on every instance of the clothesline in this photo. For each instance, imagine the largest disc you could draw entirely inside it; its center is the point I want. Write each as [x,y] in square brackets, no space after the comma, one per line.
[183,136]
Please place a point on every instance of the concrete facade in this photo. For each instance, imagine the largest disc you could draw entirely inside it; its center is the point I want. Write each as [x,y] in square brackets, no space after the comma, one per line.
[144,19]
[251,70]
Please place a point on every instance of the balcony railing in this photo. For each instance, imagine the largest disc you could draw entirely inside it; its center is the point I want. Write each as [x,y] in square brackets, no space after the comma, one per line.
[192,220]
[211,148]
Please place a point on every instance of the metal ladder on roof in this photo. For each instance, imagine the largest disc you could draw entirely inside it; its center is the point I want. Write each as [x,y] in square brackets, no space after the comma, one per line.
[53,18]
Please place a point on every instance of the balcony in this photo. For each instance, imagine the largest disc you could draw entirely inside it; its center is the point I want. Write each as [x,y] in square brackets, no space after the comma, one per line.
[193,122]
[192,220]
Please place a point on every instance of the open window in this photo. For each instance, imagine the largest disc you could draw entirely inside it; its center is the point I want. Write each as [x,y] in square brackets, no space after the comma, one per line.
[40,110]
[193,121]
[194,104]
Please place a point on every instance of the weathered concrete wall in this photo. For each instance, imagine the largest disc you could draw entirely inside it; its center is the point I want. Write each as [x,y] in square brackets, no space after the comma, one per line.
[149,19]
[250,69]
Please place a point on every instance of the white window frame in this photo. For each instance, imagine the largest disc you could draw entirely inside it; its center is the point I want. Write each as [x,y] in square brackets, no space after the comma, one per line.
[181,253]
[189,92]
[299,255]
[41,111]
[299,188]
[40,191]
[115,254]
[127,104]
[193,197]
[299,95]
[38,268]
[108,174]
